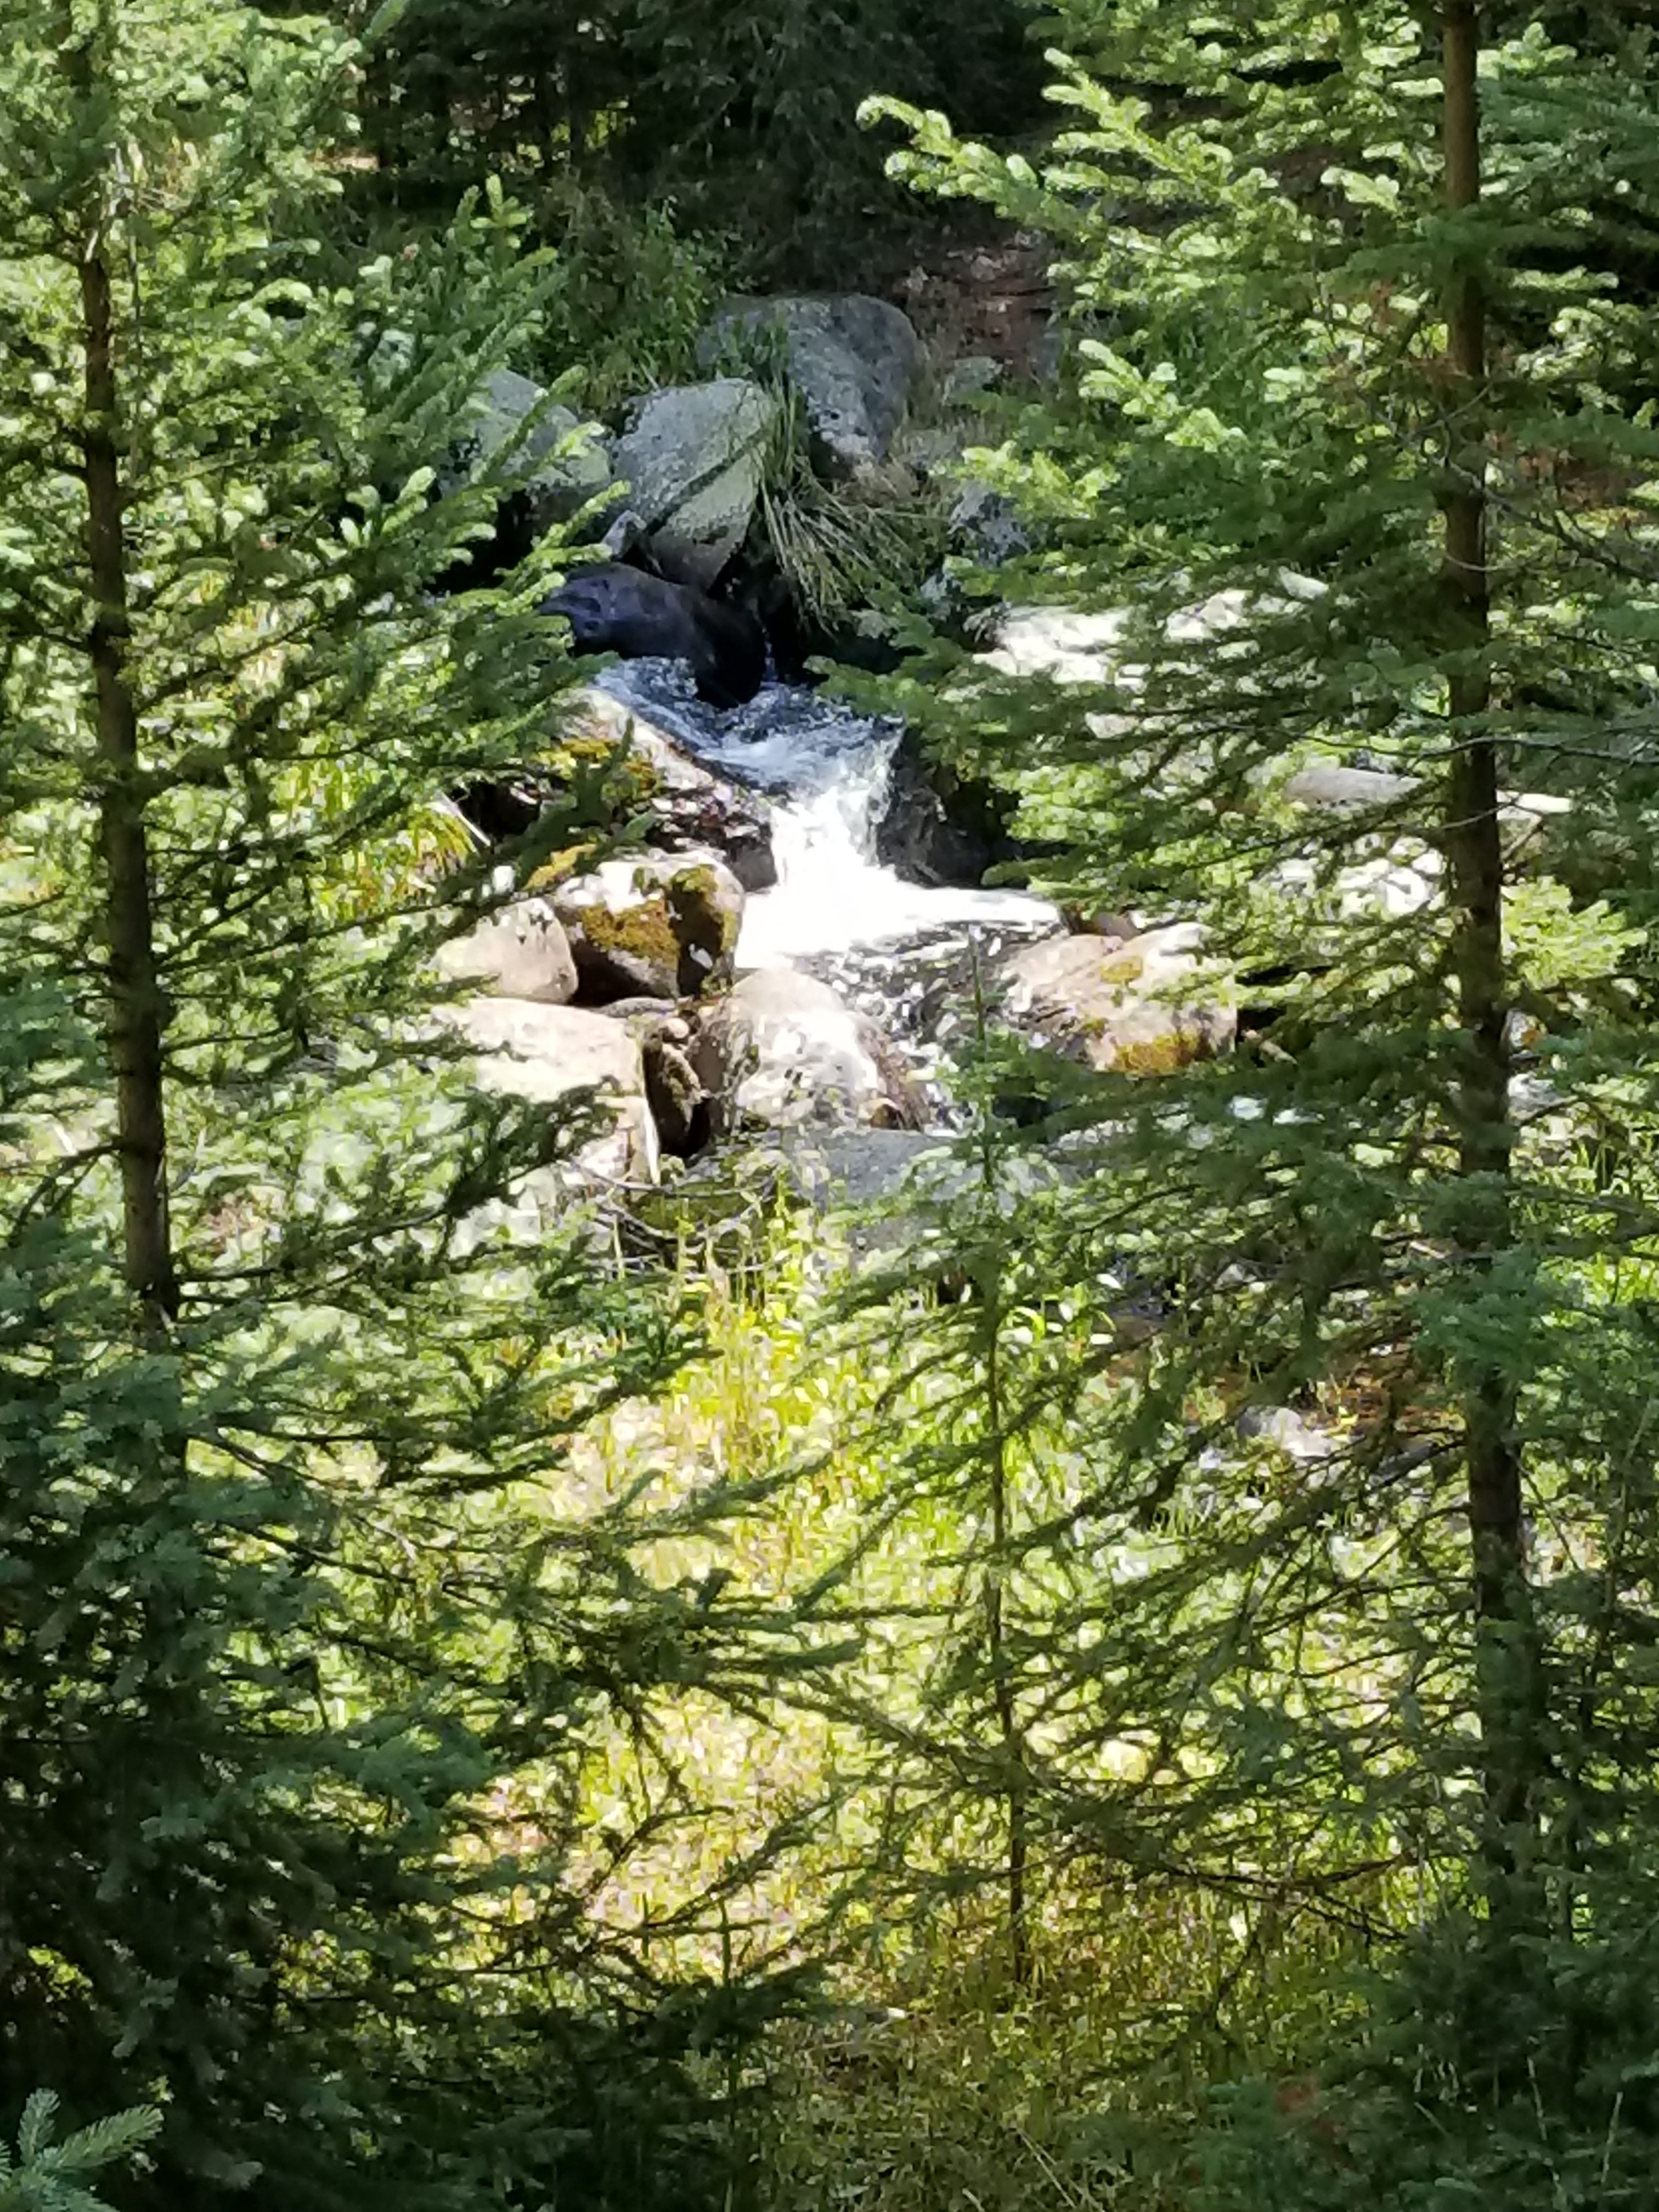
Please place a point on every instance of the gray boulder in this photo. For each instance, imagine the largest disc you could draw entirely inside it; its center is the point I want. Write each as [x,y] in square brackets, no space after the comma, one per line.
[521,952]
[851,358]
[985,526]
[782,1050]
[693,456]
[562,467]
[661,926]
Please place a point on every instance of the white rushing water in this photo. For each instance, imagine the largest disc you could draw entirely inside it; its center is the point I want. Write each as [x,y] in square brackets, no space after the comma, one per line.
[823,768]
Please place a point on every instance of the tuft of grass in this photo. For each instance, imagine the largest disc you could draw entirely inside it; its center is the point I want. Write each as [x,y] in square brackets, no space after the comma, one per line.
[843,548]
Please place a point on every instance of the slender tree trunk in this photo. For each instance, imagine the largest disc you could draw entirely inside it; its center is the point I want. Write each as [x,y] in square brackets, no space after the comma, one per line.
[1013,1749]
[135,991]
[1011,1740]
[1508,1658]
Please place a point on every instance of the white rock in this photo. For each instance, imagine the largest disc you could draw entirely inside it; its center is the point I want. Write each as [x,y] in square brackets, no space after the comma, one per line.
[547,1054]
[1135,1007]
[782,1049]
[521,952]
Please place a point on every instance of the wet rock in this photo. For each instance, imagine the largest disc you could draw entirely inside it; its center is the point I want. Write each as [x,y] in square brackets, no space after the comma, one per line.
[550,1054]
[692,808]
[613,607]
[781,1050]
[521,952]
[852,359]
[693,456]
[937,826]
[1130,1007]
[661,927]
[921,992]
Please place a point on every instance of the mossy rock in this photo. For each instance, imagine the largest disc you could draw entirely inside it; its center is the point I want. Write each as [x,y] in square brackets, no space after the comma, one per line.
[645,931]
[706,904]
[657,928]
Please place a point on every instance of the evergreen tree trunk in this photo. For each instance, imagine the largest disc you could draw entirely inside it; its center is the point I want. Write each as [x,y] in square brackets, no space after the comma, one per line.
[1012,1744]
[1507,1652]
[135,994]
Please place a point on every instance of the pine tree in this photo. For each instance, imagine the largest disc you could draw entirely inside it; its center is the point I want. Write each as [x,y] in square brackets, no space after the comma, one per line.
[1359,445]
[303,1640]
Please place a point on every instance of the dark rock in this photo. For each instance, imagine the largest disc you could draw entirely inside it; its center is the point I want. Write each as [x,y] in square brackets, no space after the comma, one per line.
[619,609]
[679,1105]
[939,827]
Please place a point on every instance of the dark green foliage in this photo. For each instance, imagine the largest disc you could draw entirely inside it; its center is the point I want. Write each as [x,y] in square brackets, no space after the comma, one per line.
[306,1643]
[742,118]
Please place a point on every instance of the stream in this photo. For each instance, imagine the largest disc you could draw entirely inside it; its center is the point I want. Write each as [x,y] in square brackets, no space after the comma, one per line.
[904,953]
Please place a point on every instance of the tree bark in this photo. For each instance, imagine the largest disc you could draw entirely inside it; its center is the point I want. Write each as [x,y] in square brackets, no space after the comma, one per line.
[1508,1658]
[134,989]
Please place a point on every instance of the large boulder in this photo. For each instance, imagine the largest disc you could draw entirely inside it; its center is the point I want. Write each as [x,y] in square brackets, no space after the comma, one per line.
[851,358]
[563,466]
[684,807]
[782,1050]
[613,607]
[519,952]
[693,456]
[1136,1007]
[655,927]
[552,1055]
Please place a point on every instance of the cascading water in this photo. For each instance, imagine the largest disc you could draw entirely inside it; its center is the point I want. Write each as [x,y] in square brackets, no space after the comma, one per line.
[901,953]
[823,769]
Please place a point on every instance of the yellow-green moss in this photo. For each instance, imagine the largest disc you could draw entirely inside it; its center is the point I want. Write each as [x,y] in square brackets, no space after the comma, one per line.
[696,893]
[643,932]
[560,866]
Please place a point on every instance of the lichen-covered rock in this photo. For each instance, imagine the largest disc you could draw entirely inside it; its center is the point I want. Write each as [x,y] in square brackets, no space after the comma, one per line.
[661,926]
[852,358]
[692,808]
[521,952]
[781,1050]
[689,809]
[1136,1007]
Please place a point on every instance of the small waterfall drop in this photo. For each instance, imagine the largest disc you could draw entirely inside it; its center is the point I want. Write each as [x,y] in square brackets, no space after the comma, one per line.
[822,767]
